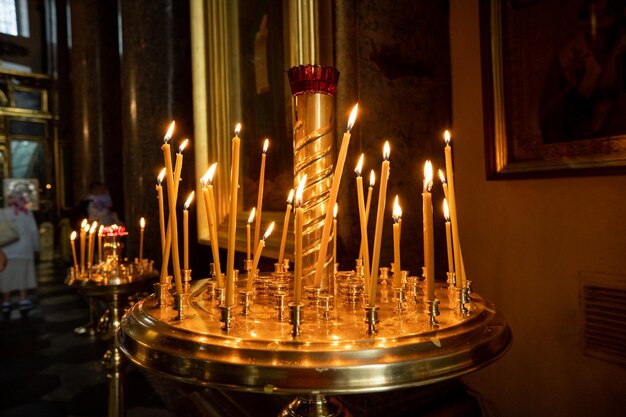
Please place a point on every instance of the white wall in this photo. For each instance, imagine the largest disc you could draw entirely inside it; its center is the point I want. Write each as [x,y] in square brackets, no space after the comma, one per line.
[525,243]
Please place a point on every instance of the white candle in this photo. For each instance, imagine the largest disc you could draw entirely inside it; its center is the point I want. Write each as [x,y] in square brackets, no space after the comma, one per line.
[341,159]
[427,210]
[363,224]
[232,221]
[72,239]
[283,240]
[397,268]
[453,215]
[186,230]
[250,220]
[209,201]
[378,233]
[142,226]
[259,201]
[297,283]
[257,254]
[446,215]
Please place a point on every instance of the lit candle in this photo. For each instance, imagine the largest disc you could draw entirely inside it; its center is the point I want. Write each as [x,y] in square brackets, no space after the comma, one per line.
[397,268]
[444,184]
[297,283]
[335,236]
[368,203]
[100,233]
[232,223]
[72,239]
[382,199]
[259,201]
[429,245]
[186,230]
[341,159]
[453,215]
[363,223]
[84,228]
[159,189]
[250,220]
[281,253]
[257,254]
[446,215]
[142,226]
[92,242]
[209,202]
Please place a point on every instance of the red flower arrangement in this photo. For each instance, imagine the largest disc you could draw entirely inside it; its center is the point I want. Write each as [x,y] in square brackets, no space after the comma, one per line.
[114,230]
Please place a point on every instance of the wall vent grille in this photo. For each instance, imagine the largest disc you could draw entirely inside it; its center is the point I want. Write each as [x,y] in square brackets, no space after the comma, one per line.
[603,302]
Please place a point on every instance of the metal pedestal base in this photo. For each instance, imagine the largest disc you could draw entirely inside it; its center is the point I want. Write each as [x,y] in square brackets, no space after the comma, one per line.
[315,406]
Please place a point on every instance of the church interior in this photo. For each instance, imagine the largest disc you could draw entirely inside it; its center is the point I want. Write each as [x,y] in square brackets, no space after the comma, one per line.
[172,315]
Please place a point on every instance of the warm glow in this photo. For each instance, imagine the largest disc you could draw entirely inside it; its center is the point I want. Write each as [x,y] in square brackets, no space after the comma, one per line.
[83,223]
[428,175]
[372,178]
[386,151]
[101,229]
[335,211]
[266,145]
[161,176]
[442,177]
[86,227]
[268,232]
[252,214]
[237,129]
[446,210]
[73,236]
[142,223]
[446,137]
[48,186]
[290,196]
[397,210]
[352,118]
[300,191]
[189,200]
[183,145]
[170,131]
[92,229]
[359,166]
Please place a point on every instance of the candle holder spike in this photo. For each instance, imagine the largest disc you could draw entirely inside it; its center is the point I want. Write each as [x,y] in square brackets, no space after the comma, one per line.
[180,305]
[464,300]
[245,299]
[280,305]
[433,312]
[226,318]
[371,319]
[295,317]
[400,298]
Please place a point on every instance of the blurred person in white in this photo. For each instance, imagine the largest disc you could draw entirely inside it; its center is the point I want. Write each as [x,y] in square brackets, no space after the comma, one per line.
[19,274]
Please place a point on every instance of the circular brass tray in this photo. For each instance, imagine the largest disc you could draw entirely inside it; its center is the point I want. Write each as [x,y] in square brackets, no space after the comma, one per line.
[329,357]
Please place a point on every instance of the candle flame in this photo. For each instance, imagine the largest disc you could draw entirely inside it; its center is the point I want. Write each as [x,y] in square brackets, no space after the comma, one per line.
[170,131]
[290,196]
[386,151]
[335,211]
[359,166]
[300,191]
[189,200]
[101,229]
[266,145]
[428,175]
[252,214]
[92,229]
[442,177]
[73,236]
[446,210]
[183,145]
[397,210]
[83,223]
[161,176]
[86,227]
[237,129]
[446,137]
[352,117]
[268,232]
[372,178]
[142,223]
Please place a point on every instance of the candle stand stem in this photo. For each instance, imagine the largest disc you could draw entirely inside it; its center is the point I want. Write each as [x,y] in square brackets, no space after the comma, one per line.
[295,317]
[371,318]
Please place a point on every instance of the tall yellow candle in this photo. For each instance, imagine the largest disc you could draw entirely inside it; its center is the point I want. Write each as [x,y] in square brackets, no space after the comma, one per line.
[335,235]
[92,241]
[429,245]
[378,233]
[142,227]
[397,267]
[446,215]
[250,220]
[368,203]
[159,189]
[209,201]
[297,282]
[257,254]
[334,191]
[72,239]
[167,157]
[452,201]
[84,228]
[100,232]
[259,201]
[283,240]
[232,221]
[363,223]
[186,230]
